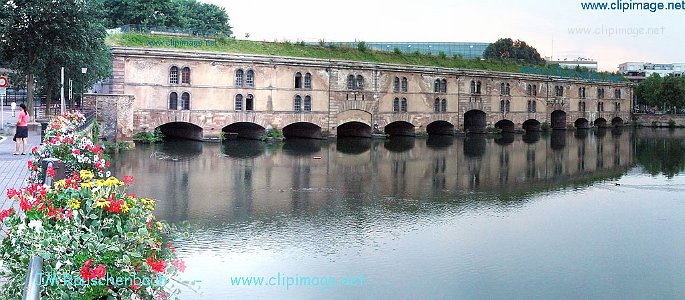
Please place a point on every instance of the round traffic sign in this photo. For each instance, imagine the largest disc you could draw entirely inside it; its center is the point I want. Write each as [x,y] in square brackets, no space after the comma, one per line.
[3,82]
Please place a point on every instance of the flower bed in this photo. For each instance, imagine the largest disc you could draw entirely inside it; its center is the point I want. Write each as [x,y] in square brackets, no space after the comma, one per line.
[97,240]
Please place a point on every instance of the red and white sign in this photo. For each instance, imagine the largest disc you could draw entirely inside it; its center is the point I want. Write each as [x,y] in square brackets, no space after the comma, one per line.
[4,82]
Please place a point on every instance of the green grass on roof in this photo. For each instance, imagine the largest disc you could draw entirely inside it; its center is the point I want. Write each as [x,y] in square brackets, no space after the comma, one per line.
[228,45]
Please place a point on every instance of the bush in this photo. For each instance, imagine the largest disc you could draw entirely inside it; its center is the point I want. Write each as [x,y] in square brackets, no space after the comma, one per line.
[545,126]
[87,229]
[272,133]
[150,137]
[361,46]
[671,123]
[442,55]
[397,50]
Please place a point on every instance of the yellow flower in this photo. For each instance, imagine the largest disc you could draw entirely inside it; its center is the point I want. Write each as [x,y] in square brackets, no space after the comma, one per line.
[75,204]
[85,174]
[100,182]
[60,183]
[112,181]
[86,185]
[149,203]
[124,208]
[102,203]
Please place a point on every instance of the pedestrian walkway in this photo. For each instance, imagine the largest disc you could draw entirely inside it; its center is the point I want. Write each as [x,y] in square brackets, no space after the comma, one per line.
[13,168]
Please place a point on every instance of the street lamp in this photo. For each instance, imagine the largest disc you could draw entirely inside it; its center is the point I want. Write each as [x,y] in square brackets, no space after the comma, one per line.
[83,82]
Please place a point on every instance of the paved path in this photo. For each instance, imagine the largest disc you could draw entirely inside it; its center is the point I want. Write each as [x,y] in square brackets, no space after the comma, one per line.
[13,168]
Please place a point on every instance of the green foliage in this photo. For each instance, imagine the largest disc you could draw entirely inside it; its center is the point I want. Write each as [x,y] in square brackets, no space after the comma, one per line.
[95,131]
[326,133]
[330,52]
[509,49]
[647,91]
[671,123]
[115,147]
[397,50]
[272,133]
[150,137]
[494,130]
[361,46]
[661,156]
[545,126]
[186,14]
[442,55]
[672,93]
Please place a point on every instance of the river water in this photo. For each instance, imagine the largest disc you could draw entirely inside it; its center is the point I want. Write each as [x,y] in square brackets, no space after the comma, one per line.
[564,215]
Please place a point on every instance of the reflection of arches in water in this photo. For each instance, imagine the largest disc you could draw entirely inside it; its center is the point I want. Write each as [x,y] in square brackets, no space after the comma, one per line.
[439,142]
[505,138]
[181,130]
[175,149]
[601,122]
[531,137]
[582,123]
[242,148]
[354,129]
[474,121]
[440,128]
[302,130]
[353,145]
[581,134]
[301,147]
[505,125]
[474,146]
[558,140]
[601,132]
[558,119]
[399,128]
[399,144]
[617,122]
[617,131]
[531,125]
[244,130]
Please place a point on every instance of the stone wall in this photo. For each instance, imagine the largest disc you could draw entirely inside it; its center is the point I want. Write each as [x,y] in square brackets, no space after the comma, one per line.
[659,120]
[114,113]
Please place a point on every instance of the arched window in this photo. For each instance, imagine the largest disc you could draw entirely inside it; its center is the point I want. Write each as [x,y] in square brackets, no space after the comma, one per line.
[508,106]
[534,106]
[239,102]
[297,105]
[504,89]
[600,93]
[501,105]
[396,85]
[185,76]
[249,78]
[360,82]
[581,106]
[436,86]
[501,89]
[350,82]
[478,87]
[436,105]
[308,81]
[403,105]
[405,85]
[307,103]
[473,87]
[443,86]
[185,101]
[249,102]
[298,80]
[443,105]
[173,75]
[617,106]
[173,101]
[239,78]
[600,106]
[504,106]
[617,93]
[396,105]
[535,90]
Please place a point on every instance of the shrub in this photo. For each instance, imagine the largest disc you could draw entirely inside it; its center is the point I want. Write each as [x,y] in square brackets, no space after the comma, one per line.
[150,137]
[361,46]
[545,126]
[397,50]
[671,123]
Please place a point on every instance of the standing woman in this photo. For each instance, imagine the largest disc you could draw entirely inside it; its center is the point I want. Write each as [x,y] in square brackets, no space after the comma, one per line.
[22,130]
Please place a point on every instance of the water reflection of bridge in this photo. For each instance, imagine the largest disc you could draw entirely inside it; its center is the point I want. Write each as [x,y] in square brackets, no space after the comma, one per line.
[209,179]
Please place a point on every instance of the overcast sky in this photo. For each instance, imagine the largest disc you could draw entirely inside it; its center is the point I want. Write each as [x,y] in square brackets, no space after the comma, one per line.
[549,26]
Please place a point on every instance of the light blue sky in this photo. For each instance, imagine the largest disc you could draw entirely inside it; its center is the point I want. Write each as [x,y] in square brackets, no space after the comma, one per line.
[547,25]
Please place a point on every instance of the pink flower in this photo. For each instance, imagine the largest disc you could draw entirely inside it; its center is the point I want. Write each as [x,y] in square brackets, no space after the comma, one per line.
[180,265]
[76,151]
[128,180]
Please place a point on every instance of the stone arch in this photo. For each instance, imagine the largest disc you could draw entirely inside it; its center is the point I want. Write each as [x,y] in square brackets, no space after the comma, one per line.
[354,115]
[354,129]
[505,125]
[302,130]
[601,122]
[440,128]
[474,121]
[401,128]
[182,130]
[617,122]
[558,119]
[245,130]
[582,123]
[531,125]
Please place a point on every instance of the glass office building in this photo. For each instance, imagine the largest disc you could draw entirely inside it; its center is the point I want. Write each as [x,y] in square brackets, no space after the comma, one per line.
[463,49]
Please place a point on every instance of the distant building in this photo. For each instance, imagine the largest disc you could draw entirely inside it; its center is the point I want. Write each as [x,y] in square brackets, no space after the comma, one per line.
[638,71]
[586,63]
[463,49]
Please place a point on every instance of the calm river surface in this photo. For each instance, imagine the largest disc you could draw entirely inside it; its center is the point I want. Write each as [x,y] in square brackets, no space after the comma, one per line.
[566,215]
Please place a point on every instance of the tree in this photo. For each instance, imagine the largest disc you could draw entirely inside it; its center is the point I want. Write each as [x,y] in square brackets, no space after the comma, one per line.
[672,93]
[39,37]
[509,49]
[648,90]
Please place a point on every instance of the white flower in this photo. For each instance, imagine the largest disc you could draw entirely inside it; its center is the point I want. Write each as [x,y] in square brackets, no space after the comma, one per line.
[21,227]
[36,225]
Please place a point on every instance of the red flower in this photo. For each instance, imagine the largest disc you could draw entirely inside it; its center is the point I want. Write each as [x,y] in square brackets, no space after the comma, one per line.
[30,162]
[76,151]
[34,149]
[180,265]
[89,273]
[128,180]
[114,206]
[159,266]
[6,213]
[107,163]
[51,171]
[11,192]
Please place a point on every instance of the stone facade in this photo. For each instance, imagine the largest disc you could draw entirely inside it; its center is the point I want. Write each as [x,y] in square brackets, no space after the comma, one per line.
[114,113]
[339,93]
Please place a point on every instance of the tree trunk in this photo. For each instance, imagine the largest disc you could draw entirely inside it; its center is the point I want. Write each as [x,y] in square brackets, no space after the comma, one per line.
[48,100]
[29,95]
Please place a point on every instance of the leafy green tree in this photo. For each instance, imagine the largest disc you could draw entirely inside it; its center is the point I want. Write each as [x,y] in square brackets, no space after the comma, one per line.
[39,37]
[509,49]
[647,92]
[672,93]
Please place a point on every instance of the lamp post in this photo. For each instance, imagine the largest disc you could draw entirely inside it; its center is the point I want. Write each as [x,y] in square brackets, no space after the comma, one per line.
[83,83]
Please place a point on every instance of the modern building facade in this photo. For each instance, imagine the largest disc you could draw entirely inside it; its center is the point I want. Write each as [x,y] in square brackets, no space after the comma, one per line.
[202,94]
[638,71]
[588,64]
[468,50]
